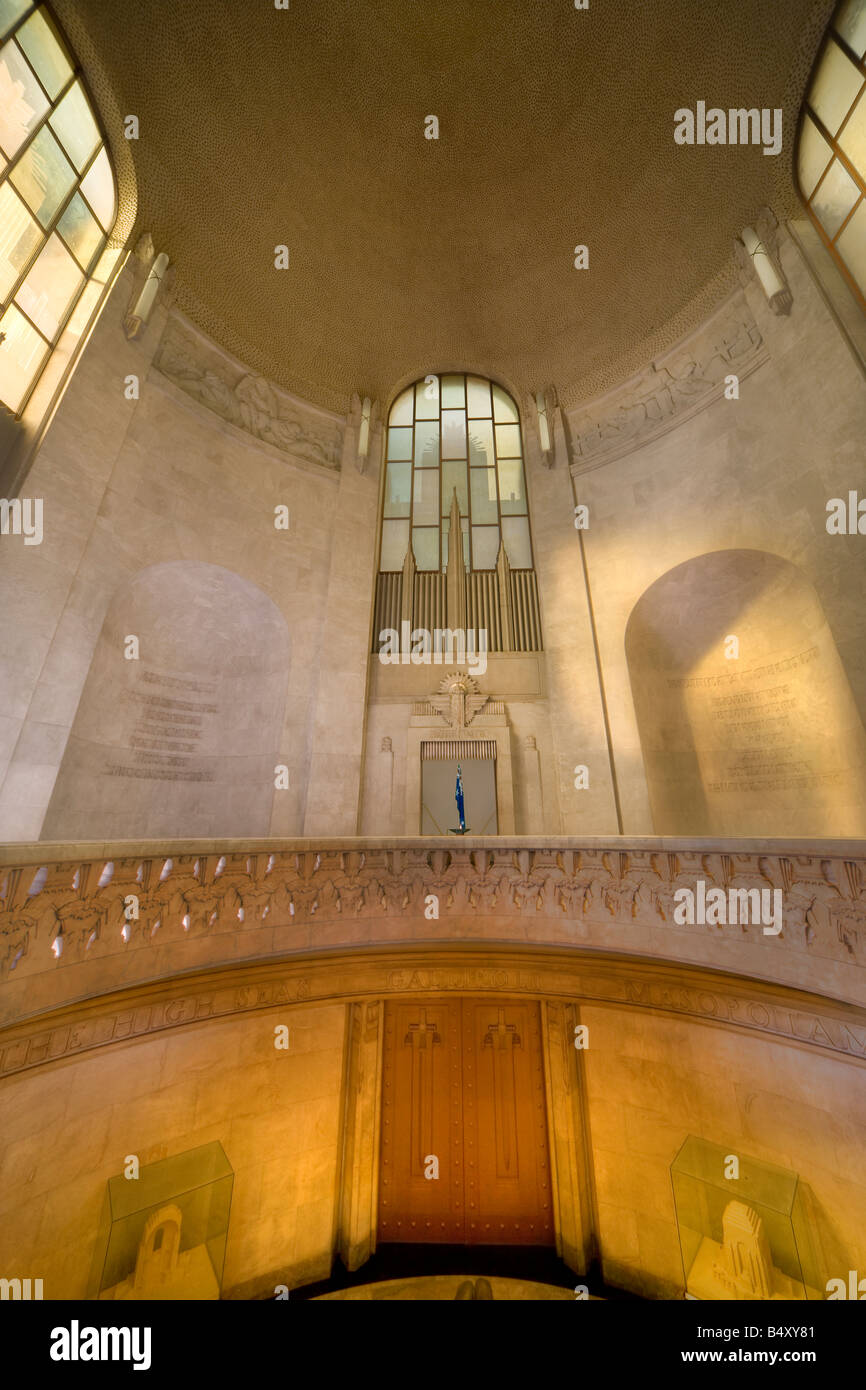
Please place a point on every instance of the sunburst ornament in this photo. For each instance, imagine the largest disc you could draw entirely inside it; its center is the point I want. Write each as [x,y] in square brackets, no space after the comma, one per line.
[459,699]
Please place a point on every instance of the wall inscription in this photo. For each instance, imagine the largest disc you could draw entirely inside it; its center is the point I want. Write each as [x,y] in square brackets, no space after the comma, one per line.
[838,1028]
[754,718]
[167,729]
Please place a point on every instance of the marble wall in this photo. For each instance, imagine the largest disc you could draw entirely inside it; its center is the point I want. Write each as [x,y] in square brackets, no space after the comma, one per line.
[186,468]
[753,473]
[516,679]
[648,1079]
[69,1128]
[746,715]
[673,468]
[651,1081]
[183,739]
[190,471]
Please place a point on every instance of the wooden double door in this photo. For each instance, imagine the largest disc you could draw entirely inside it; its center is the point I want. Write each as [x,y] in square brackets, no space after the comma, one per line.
[464,1124]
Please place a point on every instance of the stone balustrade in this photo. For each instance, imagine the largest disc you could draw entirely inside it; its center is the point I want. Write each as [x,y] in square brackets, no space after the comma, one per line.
[80,920]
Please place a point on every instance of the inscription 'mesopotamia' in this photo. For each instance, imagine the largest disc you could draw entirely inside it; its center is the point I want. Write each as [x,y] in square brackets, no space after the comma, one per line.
[744,1009]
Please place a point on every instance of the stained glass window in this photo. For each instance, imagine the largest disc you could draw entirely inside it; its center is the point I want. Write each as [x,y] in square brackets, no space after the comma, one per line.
[58,202]
[447,434]
[831,156]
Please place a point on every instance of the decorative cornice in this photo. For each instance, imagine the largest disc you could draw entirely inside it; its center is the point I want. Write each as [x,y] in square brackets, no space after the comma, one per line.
[248,402]
[339,976]
[68,929]
[670,391]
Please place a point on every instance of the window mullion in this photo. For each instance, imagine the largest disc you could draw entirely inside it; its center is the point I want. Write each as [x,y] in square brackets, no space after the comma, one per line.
[26,378]
[496,473]
[52,344]
[412,486]
[859,63]
[19,23]
[40,125]
[847,219]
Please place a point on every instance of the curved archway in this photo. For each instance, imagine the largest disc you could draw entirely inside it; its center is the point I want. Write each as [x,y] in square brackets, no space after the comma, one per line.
[181,739]
[747,721]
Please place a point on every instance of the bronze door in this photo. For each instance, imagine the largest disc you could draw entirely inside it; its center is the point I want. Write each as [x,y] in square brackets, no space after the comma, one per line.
[464,1125]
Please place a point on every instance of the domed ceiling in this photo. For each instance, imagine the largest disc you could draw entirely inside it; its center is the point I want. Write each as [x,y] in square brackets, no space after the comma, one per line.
[261,126]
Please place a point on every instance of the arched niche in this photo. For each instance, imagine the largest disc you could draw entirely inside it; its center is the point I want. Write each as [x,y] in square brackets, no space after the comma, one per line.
[183,741]
[768,742]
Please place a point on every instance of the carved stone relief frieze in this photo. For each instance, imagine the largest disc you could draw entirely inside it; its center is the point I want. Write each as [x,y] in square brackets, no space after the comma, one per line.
[669,391]
[249,402]
[120,916]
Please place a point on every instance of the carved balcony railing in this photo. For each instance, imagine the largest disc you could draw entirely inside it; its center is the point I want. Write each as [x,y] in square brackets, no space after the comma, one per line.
[77,921]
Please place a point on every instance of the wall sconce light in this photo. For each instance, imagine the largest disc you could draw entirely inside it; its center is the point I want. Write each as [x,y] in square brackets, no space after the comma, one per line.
[364,429]
[543,425]
[136,322]
[778,295]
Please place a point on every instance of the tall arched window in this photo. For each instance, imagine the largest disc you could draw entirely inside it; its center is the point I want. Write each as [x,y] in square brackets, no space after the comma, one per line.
[831,158]
[454,468]
[58,203]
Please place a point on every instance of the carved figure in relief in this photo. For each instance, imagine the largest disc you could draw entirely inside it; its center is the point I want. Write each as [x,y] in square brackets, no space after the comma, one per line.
[14,944]
[281,901]
[80,915]
[261,415]
[663,902]
[484,894]
[575,898]
[645,405]
[202,907]
[396,896]
[328,902]
[526,894]
[206,386]
[351,898]
[249,402]
[304,902]
[255,903]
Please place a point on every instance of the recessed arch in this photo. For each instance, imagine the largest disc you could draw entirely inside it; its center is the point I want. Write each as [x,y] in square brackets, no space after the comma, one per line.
[183,739]
[747,721]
